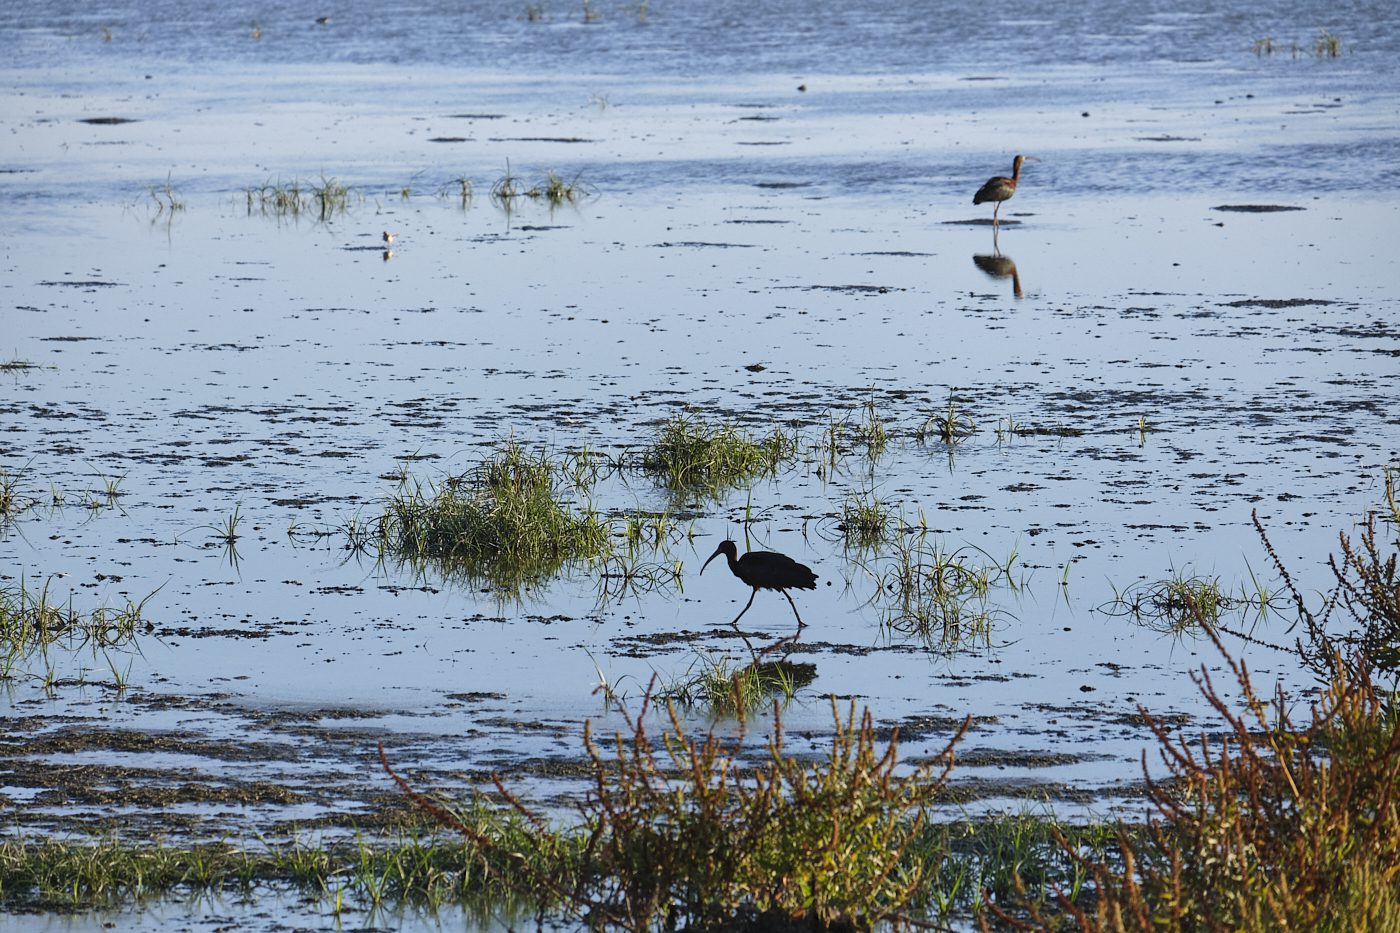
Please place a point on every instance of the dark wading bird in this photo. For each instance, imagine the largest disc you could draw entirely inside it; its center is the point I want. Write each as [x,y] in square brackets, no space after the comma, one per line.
[765,570]
[1000,188]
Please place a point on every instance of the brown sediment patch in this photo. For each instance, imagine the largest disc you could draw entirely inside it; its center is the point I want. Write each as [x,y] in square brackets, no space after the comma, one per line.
[849,289]
[1257,208]
[540,139]
[1276,302]
[696,244]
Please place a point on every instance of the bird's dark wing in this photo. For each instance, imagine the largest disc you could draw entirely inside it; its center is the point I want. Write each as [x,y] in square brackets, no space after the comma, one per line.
[773,571]
[999,188]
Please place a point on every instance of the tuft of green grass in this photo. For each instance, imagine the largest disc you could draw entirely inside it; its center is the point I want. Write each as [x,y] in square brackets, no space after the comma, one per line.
[866,521]
[32,624]
[326,198]
[553,189]
[1328,45]
[691,455]
[1185,602]
[410,868]
[949,427]
[726,689]
[502,523]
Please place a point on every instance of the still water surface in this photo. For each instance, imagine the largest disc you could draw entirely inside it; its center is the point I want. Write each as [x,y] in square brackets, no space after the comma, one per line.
[212,360]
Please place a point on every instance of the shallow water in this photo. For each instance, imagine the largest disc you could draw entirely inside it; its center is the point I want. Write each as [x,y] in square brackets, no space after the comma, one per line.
[211,359]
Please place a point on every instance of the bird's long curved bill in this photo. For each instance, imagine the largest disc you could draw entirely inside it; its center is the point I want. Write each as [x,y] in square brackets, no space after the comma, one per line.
[718,552]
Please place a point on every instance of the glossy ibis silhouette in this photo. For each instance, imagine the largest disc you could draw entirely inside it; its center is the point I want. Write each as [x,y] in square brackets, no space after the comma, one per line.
[1000,188]
[765,570]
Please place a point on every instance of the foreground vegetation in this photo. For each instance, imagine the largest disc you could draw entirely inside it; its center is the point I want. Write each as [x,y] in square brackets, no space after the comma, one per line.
[1279,818]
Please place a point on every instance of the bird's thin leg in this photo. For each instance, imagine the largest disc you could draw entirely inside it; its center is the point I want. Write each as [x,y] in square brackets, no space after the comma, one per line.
[995,211]
[800,623]
[746,607]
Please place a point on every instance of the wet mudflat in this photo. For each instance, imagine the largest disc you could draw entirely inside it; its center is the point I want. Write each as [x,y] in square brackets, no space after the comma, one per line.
[1186,316]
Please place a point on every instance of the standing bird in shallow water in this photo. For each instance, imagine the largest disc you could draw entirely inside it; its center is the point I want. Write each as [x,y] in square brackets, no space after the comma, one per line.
[765,570]
[1000,188]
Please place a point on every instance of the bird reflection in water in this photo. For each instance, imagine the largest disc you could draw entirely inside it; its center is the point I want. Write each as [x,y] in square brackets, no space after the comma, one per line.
[998,266]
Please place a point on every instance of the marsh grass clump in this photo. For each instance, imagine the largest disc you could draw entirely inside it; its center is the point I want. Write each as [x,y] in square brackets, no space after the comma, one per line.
[678,832]
[16,365]
[553,189]
[1328,45]
[327,198]
[726,689]
[1181,603]
[33,624]
[866,521]
[691,455]
[950,427]
[939,595]
[408,868]
[459,188]
[1002,857]
[502,522]
[14,501]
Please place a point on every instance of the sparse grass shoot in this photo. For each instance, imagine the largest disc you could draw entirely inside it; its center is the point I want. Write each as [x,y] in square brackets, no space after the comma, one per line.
[165,197]
[949,427]
[459,188]
[327,198]
[16,365]
[940,596]
[1328,45]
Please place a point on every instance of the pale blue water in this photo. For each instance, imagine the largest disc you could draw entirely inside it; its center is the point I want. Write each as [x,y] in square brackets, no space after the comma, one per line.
[286,367]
